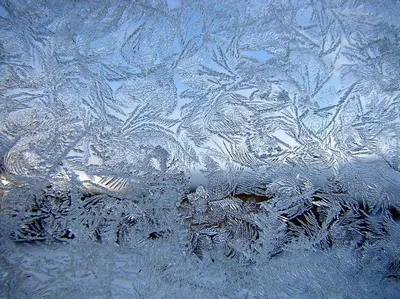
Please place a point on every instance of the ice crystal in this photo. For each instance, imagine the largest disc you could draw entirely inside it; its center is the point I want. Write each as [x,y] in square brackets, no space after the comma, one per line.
[179,148]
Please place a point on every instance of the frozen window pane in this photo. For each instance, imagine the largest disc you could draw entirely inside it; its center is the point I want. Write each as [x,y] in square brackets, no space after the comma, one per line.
[173,148]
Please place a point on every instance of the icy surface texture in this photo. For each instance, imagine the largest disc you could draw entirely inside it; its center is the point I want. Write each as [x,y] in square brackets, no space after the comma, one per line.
[112,113]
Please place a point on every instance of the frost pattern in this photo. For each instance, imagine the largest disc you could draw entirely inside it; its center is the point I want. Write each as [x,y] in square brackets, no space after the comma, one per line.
[287,110]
